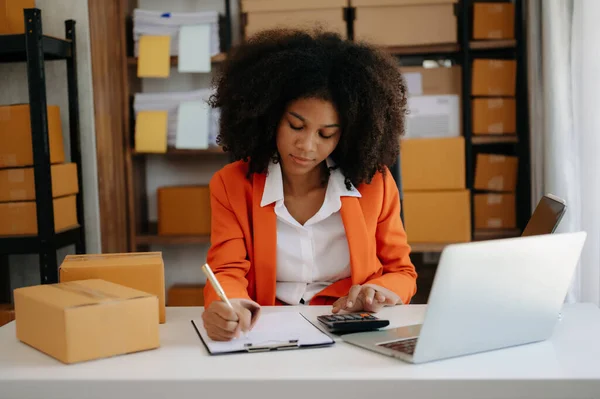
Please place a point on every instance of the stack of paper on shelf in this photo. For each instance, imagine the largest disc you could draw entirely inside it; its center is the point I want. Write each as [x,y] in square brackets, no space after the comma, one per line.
[194,36]
[191,123]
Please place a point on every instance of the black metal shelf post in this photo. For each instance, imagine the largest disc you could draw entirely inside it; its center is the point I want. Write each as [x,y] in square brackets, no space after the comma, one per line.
[36,81]
[34,49]
[74,136]
[524,205]
[465,16]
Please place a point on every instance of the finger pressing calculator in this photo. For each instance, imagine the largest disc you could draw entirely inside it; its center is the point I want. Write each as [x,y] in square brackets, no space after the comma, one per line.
[351,322]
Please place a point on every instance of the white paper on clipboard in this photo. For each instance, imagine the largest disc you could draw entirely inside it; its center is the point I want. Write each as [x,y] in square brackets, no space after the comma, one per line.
[278,330]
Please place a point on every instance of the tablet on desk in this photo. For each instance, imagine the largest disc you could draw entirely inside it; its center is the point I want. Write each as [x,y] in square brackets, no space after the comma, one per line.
[272,331]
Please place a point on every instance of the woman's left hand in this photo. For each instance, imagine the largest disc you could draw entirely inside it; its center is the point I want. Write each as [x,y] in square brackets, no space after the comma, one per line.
[361,298]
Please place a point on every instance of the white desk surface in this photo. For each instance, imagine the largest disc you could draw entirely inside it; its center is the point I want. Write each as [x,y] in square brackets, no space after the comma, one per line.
[567,366]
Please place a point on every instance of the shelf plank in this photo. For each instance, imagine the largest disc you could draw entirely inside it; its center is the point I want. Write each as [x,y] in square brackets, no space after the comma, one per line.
[177,151]
[448,48]
[427,247]
[492,44]
[494,139]
[494,234]
[31,244]
[451,48]
[480,235]
[133,61]
[151,237]
[13,48]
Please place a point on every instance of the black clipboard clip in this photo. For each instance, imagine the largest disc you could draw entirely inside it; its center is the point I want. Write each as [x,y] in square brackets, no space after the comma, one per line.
[277,346]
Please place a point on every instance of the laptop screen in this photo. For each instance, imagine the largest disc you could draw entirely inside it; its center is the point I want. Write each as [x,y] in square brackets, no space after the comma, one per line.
[545,218]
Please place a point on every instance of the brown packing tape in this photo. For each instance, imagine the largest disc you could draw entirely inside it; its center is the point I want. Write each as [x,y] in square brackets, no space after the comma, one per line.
[75,288]
[100,297]
[92,257]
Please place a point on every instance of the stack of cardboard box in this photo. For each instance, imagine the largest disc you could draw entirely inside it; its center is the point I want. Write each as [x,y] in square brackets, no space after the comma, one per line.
[104,305]
[494,113]
[259,15]
[17,184]
[436,200]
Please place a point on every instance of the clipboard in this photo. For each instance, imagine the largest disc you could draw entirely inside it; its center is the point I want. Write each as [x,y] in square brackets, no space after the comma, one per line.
[277,331]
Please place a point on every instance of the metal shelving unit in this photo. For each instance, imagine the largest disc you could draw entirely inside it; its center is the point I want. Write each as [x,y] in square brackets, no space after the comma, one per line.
[462,53]
[33,48]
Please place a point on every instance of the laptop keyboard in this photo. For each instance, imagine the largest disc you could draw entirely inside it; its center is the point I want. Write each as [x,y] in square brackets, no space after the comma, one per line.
[406,345]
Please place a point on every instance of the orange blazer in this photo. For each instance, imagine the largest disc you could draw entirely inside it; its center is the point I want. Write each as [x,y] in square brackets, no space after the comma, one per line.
[244,237]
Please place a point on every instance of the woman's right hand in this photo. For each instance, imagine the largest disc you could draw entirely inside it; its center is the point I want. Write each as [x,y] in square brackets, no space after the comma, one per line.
[223,323]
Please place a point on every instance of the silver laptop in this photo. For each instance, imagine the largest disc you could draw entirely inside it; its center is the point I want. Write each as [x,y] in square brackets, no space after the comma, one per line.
[486,295]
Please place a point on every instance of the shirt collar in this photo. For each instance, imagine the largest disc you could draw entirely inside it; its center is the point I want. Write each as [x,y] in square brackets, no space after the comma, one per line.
[273,191]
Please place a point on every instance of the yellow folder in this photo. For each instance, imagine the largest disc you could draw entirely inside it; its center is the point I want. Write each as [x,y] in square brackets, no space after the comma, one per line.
[151,131]
[154,59]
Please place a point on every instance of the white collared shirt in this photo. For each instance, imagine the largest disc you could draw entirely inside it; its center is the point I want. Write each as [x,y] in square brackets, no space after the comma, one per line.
[314,255]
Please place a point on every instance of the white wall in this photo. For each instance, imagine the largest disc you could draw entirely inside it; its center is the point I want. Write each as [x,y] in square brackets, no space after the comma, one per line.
[13,89]
[182,262]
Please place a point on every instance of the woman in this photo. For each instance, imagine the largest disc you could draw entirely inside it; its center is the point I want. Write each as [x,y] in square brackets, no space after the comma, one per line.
[309,212]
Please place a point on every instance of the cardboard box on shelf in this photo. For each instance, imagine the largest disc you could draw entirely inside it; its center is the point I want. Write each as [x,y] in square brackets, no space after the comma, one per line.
[494,172]
[186,295]
[16,147]
[433,164]
[494,116]
[7,313]
[266,14]
[493,21]
[494,77]
[434,101]
[184,210]
[12,19]
[20,218]
[433,81]
[142,271]
[18,184]
[433,116]
[495,211]
[437,216]
[405,22]
[84,320]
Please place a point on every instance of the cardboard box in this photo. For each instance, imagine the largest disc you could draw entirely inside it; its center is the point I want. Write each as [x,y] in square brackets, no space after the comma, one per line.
[433,164]
[20,218]
[19,184]
[496,172]
[85,320]
[433,116]
[433,81]
[494,116]
[184,210]
[493,21]
[186,295]
[434,102]
[267,14]
[405,22]
[16,147]
[7,313]
[437,216]
[12,18]
[495,211]
[494,77]
[144,271]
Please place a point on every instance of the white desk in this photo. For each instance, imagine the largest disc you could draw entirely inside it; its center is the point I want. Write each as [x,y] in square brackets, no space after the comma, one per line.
[567,366]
